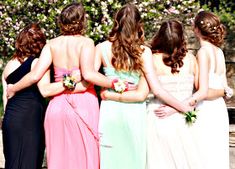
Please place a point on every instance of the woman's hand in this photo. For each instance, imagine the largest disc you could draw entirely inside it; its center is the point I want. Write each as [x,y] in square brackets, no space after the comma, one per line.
[76,74]
[103,94]
[164,111]
[10,91]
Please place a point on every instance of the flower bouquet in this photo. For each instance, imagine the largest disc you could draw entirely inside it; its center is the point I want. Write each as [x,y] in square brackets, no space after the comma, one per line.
[119,85]
[69,81]
[190,117]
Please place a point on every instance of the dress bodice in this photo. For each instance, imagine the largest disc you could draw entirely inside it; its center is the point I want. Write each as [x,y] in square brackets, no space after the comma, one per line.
[215,80]
[132,77]
[60,72]
[28,92]
[109,71]
[181,87]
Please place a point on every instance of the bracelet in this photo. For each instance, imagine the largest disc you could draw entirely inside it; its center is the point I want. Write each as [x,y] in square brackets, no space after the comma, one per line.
[69,82]
[228,92]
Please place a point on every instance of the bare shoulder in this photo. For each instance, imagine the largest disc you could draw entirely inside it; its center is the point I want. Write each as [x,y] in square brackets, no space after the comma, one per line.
[87,41]
[190,56]
[146,48]
[147,52]
[11,66]
[104,43]
[34,63]
[204,50]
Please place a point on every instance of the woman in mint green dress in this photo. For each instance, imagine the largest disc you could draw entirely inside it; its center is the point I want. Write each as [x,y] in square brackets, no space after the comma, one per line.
[122,125]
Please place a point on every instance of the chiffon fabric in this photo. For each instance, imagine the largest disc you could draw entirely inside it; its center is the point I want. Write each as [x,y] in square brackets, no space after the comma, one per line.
[22,127]
[170,141]
[212,125]
[71,125]
[122,128]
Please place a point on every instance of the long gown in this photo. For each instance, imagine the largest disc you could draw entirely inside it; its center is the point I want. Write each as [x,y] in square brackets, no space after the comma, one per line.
[122,129]
[170,141]
[212,125]
[22,127]
[71,125]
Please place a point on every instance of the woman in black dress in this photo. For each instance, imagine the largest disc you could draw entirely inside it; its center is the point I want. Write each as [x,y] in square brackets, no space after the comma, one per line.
[22,128]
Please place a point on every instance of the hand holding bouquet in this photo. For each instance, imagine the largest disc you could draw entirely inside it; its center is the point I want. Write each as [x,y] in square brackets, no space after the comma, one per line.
[69,81]
[119,85]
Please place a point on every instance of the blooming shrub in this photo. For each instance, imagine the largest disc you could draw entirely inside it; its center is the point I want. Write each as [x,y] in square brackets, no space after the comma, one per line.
[15,14]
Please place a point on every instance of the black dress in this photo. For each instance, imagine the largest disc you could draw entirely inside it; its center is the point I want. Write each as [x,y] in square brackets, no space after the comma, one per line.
[22,128]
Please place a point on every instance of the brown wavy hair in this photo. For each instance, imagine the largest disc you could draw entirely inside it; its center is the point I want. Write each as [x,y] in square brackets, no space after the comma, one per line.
[72,20]
[127,36]
[170,41]
[29,42]
[210,27]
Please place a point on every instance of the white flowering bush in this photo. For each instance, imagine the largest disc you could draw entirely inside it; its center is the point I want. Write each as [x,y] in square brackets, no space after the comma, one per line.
[16,14]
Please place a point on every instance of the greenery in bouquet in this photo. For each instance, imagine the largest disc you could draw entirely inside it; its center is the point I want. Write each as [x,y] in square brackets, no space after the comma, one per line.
[190,117]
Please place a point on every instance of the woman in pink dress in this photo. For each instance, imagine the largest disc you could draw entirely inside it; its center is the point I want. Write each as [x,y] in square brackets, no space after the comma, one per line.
[71,120]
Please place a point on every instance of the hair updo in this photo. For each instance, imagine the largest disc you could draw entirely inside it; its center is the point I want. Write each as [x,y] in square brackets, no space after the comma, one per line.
[210,27]
[29,42]
[72,20]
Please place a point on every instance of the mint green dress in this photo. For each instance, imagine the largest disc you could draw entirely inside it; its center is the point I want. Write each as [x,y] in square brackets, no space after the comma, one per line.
[122,129]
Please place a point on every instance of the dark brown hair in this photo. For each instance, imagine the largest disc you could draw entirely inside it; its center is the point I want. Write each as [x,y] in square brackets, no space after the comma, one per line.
[127,36]
[170,41]
[29,42]
[72,20]
[210,27]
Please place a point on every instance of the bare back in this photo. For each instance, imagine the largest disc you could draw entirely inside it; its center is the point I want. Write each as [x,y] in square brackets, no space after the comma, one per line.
[66,51]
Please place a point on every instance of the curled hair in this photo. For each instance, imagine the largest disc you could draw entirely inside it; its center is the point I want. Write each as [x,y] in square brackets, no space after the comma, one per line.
[170,41]
[29,42]
[127,36]
[72,20]
[210,27]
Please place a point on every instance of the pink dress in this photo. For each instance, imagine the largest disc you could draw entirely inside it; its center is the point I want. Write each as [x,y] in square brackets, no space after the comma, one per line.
[71,125]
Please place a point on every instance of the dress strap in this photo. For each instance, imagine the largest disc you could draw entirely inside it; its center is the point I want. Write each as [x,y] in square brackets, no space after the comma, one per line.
[105,57]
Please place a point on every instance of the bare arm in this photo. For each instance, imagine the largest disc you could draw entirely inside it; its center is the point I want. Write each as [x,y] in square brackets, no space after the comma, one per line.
[138,95]
[48,89]
[155,85]
[87,61]
[4,94]
[214,94]
[203,63]
[35,74]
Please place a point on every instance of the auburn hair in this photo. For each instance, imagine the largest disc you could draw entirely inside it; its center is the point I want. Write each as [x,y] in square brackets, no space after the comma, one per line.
[127,36]
[29,42]
[210,27]
[170,41]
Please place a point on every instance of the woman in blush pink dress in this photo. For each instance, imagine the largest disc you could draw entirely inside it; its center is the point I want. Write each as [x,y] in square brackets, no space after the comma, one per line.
[71,120]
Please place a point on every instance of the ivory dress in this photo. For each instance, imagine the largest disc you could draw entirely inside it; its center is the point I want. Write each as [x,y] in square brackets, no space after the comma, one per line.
[170,142]
[212,125]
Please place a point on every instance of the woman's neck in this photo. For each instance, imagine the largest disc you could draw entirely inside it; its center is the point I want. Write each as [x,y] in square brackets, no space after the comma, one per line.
[205,43]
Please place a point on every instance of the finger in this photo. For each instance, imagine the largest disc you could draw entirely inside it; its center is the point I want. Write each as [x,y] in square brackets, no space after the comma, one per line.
[160,114]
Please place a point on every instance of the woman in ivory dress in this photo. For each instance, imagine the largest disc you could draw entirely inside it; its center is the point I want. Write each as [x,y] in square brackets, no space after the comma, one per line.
[212,125]
[170,143]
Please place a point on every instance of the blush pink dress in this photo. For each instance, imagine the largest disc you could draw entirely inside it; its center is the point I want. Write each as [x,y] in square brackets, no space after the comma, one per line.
[71,124]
